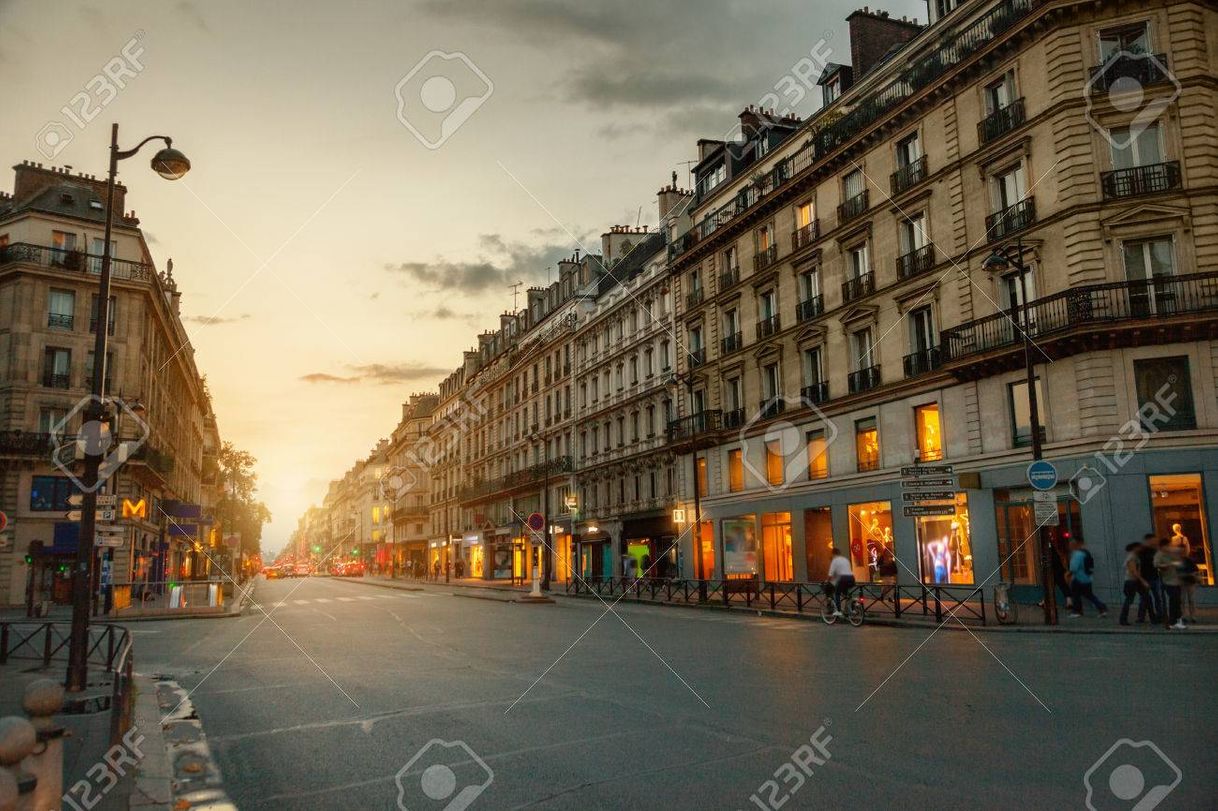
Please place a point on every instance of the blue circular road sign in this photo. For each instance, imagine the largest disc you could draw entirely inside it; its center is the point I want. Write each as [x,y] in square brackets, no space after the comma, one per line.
[1042,475]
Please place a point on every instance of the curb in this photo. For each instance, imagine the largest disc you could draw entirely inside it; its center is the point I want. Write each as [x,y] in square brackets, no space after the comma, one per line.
[236,611]
[153,789]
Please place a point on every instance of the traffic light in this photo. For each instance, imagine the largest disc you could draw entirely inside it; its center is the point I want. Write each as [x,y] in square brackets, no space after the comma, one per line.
[29,559]
[355,551]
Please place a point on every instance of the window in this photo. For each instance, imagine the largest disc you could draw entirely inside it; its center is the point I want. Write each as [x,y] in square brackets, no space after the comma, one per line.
[922,330]
[765,238]
[51,418]
[735,470]
[1165,394]
[909,151]
[1132,148]
[1132,38]
[853,184]
[1000,93]
[858,262]
[651,421]
[913,233]
[776,547]
[731,323]
[805,213]
[871,546]
[929,431]
[1021,419]
[867,444]
[766,306]
[814,369]
[1178,506]
[648,369]
[945,546]
[57,368]
[703,483]
[665,358]
[50,493]
[1010,187]
[773,461]
[62,243]
[818,541]
[729,260]
[61,307]
[832,90]
[818,454]
[1013,291]
[861,349]
[695,283]
[1149,266]
[731,394]
[809,284]
[771,382]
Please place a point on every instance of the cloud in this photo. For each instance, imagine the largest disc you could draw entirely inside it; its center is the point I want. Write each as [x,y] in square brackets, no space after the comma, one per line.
[216,320]
[381,373]
[502,264]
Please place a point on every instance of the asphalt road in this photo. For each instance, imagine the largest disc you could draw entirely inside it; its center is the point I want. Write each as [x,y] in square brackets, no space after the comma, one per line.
[322,704]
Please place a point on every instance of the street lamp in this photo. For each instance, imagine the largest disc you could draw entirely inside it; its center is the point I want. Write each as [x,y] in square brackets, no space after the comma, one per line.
[1001,260]
[170,164]
[688,379]
[546,562]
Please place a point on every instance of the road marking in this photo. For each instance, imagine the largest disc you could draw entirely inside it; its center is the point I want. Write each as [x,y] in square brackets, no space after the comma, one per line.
[302,602]
[366,597]
[347,599]
[324,600]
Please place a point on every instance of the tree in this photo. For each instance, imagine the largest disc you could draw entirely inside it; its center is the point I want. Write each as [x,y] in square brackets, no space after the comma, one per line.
[239,509]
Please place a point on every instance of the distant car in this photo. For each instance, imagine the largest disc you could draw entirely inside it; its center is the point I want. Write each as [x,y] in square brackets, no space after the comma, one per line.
[272,572]
[301,570]
[355,569]
[336,569]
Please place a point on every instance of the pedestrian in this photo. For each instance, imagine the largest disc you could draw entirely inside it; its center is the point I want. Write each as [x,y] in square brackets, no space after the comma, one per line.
[1082,565]
[460,568]
[1188,588]
[1058,570]
[1167,561]
[1146,558]
[1135,584]
[435,570]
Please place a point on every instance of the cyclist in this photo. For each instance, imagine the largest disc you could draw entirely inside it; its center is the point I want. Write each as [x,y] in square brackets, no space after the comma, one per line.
[841,580]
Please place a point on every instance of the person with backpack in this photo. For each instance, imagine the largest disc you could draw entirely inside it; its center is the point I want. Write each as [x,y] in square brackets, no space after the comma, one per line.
[1082,566]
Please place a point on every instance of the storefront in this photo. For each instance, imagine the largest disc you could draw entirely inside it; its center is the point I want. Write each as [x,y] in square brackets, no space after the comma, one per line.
[945,551]
[776,553]
[873,554]
[1178,514]
[739,535]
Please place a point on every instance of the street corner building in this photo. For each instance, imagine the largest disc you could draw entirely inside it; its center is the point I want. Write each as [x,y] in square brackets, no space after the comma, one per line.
[162,528]
[822,344]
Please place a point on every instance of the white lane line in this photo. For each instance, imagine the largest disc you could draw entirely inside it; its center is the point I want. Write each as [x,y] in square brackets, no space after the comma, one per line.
[302,602]
[323,600]
[347,599]
[280,604]
[366,597]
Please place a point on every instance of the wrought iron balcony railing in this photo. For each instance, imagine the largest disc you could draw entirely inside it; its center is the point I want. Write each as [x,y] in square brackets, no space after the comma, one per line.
[56,381]
[1011,220]
[923,361]
[733,418]
[767,327]
[73,261]
[809,308]
[805,235]
[815,393]
[694,425]
[25,443]
[765,258]
[853,208]
[732,343]
[771,408]
[1138,180]
[1001,121]
[729,277]
[864,379]
[908,176]
[697,357]
[916,262]
[1144,70]
[858,287]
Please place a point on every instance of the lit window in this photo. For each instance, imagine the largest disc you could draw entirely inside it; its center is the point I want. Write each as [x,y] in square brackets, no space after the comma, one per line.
[930,433]
[818,455]
[867,444]
[735,470]
[773,461]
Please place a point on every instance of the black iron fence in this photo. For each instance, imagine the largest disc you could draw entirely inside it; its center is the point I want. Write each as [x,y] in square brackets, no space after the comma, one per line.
[1138,180]
[899,601]
[809,308]
[74,261]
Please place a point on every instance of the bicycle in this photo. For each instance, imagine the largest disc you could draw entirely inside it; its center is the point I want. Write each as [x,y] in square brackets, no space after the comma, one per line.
[854,611]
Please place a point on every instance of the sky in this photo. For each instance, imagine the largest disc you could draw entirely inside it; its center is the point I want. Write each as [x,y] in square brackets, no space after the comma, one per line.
[369,178]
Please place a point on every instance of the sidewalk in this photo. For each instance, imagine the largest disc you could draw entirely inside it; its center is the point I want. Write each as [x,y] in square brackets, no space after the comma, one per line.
[1029,616]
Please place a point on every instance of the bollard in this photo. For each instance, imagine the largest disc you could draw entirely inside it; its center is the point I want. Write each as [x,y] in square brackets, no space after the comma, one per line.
[17,740]
[43,699]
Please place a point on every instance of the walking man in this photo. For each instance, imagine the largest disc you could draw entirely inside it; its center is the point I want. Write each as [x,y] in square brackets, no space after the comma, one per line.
[1154,586]
[1135,584]
[1167,561]
[1081,567]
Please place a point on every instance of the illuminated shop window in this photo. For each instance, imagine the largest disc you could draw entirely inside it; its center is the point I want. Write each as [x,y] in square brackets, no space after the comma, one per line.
[776,547]
[740,547]
[818,455]
[930,432]
[945,548]
[735,470]
[871,546]
[1179,516]
[867,444]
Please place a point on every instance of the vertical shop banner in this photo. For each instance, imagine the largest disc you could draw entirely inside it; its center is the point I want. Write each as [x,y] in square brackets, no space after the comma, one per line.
[739,546]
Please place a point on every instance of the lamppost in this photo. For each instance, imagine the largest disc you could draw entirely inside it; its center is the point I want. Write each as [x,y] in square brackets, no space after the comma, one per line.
[688,379]
[571,502]
[170,164]
[1000,260]
[536,436]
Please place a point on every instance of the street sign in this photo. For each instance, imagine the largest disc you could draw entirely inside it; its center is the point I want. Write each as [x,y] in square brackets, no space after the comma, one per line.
[1044,509]
[678,515]
[108,541]
[1042,475]
[930,495]
[135,509]
[77,499]
[536,522]
[101,515]
[938,481]
[927,470]
[929,509]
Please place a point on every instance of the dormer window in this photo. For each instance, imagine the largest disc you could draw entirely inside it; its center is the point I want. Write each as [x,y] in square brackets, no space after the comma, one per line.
[96,205]
[833,90]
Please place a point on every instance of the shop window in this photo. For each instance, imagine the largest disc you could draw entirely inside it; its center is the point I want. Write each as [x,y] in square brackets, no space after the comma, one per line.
[740,547]
[707,542]
[776,547]
[735,470]
[1179,514]
[1021,412]
[49,493]
[944,546]
[818,542]
[872,553]
[818,455]
[774,461]
[1018,544]
[867,444]
[930,433]
[1165,394]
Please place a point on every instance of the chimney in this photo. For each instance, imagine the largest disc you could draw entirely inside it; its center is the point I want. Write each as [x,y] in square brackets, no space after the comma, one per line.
[873,34]
[671,198]
[31,179]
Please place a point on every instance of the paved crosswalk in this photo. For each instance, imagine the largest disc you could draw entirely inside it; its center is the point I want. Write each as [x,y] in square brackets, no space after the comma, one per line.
[400,595]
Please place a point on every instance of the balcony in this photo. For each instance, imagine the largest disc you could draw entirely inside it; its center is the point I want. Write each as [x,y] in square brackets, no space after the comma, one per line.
[75,262]
[25,443]
[853,208]
[864,379]
[765,258]
[732,343]
[60,320]
[916,262]
[159,461]
[733,418]
[1144,70]
[858,287]
[771,408]
[1001,121]
[908,176]
[695,426]
[768,327]
[815,393]
[729,278]
[809,308]
[519,479]
[805,235]
[1138,180]
[697,357]
[923,361]
[693,298]
[56,381]
[1010,220]
[1165,309]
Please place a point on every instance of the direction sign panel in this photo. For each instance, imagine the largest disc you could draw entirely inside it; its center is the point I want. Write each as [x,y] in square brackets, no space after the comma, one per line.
[927,470]
[101,515]
[929,495]
[1044,509]
[77,499]
[1042,475]
[917,510]
[108,541]
[937,481]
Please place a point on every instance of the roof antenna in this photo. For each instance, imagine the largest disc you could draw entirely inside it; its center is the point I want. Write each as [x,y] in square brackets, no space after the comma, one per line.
[515,293]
